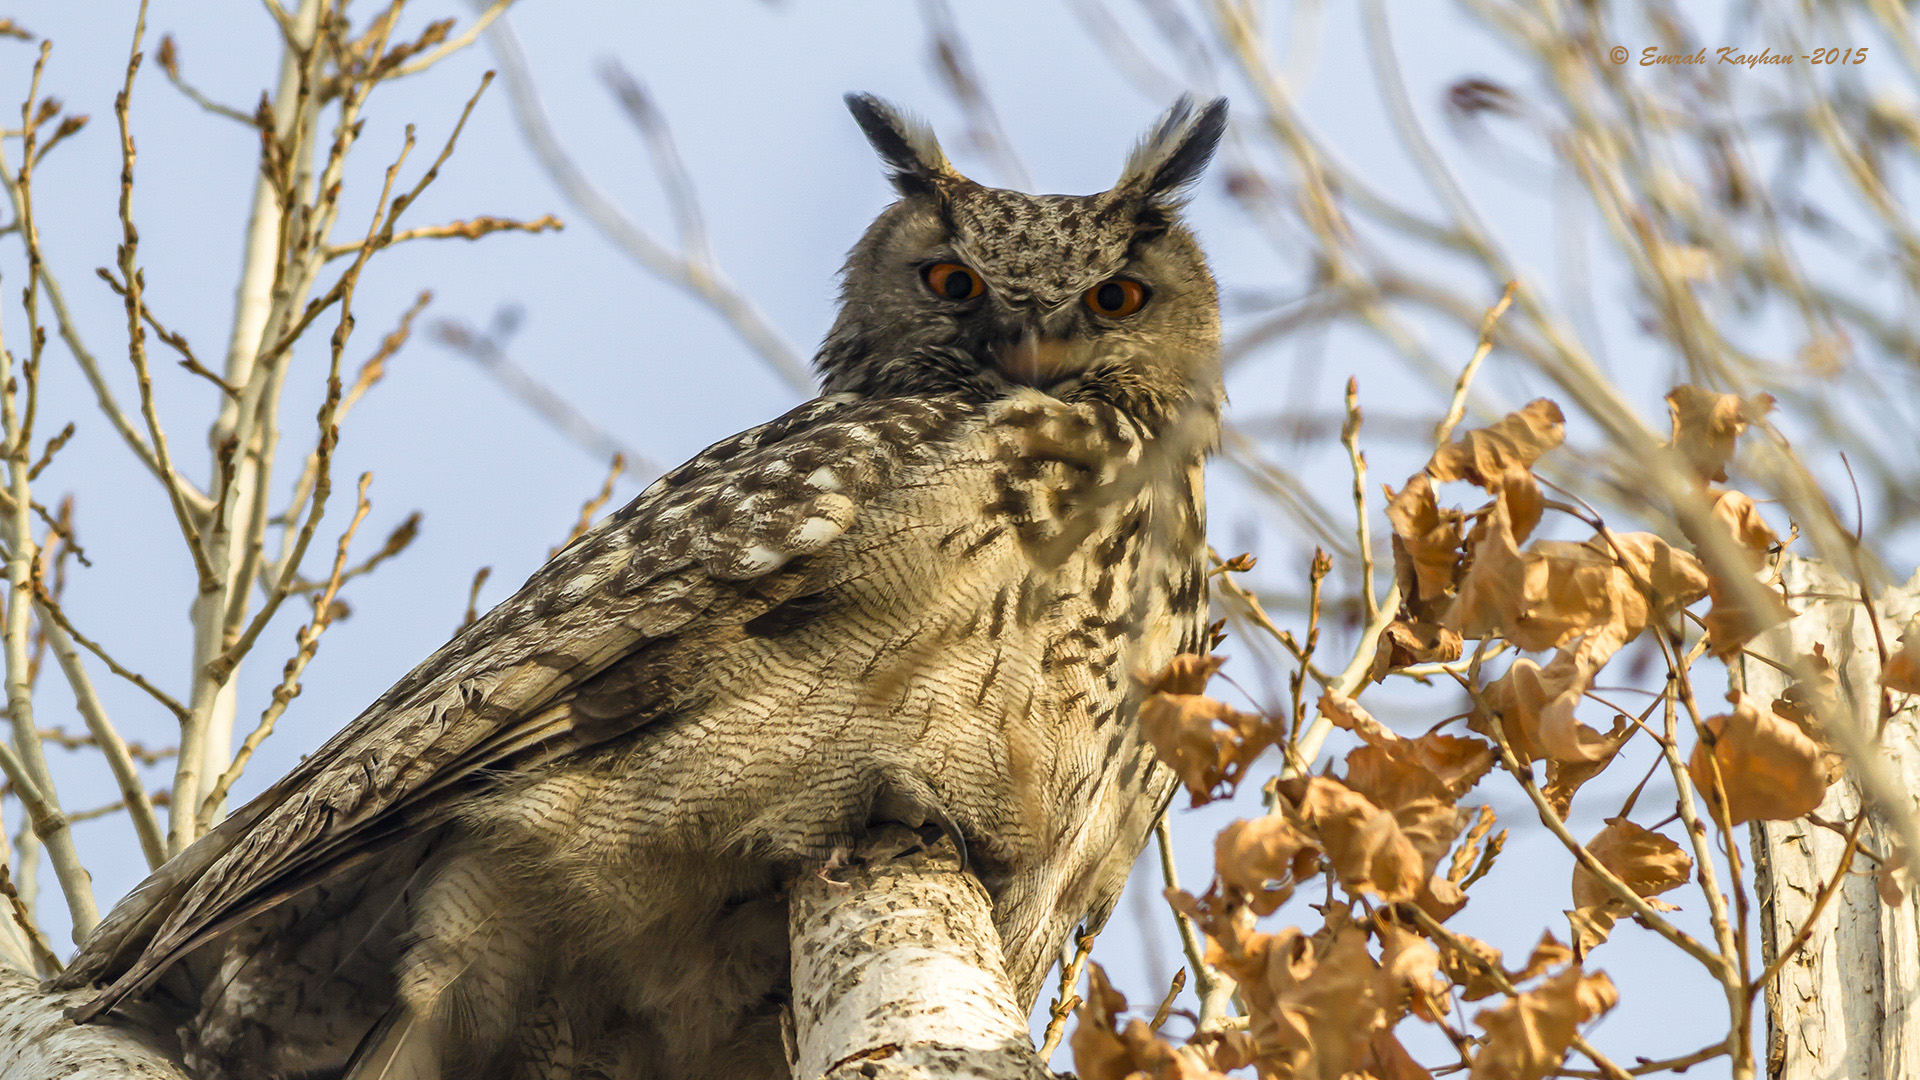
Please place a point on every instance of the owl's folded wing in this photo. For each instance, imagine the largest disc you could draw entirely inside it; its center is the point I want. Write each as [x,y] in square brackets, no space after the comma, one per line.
[713,544]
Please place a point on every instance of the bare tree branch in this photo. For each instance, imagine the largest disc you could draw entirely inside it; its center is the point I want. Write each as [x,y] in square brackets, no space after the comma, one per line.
[702,281]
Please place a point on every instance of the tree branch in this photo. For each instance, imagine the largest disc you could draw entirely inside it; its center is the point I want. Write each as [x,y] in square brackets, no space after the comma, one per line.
[897,970]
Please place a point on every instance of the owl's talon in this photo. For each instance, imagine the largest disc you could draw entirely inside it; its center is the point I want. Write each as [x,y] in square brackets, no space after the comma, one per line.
[952,832]
[908,799]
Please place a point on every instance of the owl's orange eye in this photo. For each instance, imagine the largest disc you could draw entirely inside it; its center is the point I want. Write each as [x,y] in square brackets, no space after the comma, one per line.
[953,281]
[1116,298]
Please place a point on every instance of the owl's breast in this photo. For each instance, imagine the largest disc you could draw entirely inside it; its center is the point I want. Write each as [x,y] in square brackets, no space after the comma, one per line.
[980,624]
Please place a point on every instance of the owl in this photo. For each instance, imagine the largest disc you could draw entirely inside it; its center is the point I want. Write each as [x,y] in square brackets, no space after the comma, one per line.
[561,846]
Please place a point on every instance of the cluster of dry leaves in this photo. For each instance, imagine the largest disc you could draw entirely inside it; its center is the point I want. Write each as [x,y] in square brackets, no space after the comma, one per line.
[1387,833]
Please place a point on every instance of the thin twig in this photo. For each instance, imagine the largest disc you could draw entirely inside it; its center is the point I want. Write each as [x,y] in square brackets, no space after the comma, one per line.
[1432,928]
[1457,406]
[389,208]
[453,45]
[469,229]
[120,758]
[704,283]
[51,607]
[26,765]
[689,222]
[953,63]
[1067,1001]
[556,410]
[1621,891]
[45,961]
[134,283]
[169,61]
[1363,534]
[307,642]
[592,506]
[1213,987]
[473,597]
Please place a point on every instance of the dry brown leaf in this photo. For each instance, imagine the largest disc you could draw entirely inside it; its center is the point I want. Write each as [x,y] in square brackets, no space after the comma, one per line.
[1441,898]
[1557,590]
[1500,459]
[1902,672]
[1225,1051]
[1886,881]
[1386,1059]
[1349,715]
[1549,953]
[1805,701]
[1426,542]
[1706,424]
[1675,577]
[1527,1036]
[1234,944]
[1734,620]
[1412,966]
[1565,778]
[1493,594]
[1208,744]
[1264,858]
[1430,825]
[1369,848]
[1737,512]
[1646,861]
[1100,1052]
[1536,706]
[1392,771]
[1393,774]
[1469,849]
[1475,979]
[1893,877]
[1418,642]
[1773,771]
[1318,1002]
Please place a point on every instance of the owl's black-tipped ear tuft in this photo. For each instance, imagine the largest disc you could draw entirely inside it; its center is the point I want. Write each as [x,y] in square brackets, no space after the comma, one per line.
[1173,155]
[915,163]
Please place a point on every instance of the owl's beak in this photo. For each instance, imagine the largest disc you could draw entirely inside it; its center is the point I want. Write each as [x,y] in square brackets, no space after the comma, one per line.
[1035,360]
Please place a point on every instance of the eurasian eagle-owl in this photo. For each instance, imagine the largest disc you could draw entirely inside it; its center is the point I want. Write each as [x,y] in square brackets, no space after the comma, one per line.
[559,846]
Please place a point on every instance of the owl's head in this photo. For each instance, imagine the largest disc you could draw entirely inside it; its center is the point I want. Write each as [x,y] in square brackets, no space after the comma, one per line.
[960,288]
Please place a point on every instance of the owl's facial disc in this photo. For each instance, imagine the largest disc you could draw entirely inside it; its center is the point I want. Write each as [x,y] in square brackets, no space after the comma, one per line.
[960,288]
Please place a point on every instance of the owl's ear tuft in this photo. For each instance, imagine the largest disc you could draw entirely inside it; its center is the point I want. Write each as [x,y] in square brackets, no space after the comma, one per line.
[1172,156]
[915,163]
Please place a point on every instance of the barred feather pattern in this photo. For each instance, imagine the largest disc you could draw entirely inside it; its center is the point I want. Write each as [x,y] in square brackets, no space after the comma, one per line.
[569,828]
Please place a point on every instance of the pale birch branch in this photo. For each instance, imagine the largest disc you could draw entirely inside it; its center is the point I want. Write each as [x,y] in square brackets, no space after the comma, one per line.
[898,973]
[146,824]
[38,1042]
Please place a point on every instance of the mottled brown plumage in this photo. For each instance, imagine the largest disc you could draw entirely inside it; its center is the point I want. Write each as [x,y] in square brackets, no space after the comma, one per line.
[558,848]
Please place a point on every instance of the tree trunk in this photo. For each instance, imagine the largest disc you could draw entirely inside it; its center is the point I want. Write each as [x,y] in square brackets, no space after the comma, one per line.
[897,972]
[38,1042]
[1848,1004]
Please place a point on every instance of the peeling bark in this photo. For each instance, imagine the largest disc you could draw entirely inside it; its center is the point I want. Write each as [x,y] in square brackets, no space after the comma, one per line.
[1848,1004]
[38,1042]
[897,971]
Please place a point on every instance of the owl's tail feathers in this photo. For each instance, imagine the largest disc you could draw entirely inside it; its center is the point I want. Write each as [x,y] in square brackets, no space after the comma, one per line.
[402,1046]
